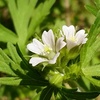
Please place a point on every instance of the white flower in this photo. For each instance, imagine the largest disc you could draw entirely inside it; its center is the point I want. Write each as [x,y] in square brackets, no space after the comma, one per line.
[73,39]
[47,50]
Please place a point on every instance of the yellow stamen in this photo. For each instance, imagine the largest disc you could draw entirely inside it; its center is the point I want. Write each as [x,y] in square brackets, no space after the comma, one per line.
[47,49]
[73,39]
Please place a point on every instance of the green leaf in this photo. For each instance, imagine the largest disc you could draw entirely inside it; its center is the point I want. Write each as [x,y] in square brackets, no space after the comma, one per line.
[37,96]
[7,36]
[22,57]
[39,14]
[10,63]
[93,81]
[68,90]
[91,70]
[80,95]
[18,70]
[5,58]
[92,44]
[24,10]
[91,9]
[94,30]
[22,81]
[6,69]
[90,53]
[27,66]
[10,81]
[97,3]
[33,81]
[13,53]
[47,93]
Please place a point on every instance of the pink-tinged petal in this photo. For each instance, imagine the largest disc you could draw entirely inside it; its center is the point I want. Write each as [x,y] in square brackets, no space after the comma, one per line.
[48,39]
[70,44]
[80,33]
[53,61]
[36,60]
[80,37]
[35,47]
[84,41]
[68,31]
[60,44]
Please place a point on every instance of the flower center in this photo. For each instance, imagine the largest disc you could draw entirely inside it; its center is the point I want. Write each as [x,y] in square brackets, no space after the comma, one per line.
[48,52]
[73,39]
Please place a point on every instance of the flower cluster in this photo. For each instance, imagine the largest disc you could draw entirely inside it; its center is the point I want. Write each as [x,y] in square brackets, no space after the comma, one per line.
[48,50]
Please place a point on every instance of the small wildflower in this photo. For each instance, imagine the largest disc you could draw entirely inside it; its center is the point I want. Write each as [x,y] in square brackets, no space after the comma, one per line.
[73,39]
[47,50]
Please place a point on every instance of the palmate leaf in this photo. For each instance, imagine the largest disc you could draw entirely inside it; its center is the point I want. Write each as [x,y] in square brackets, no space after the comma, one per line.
[23,9]
[33,74]
[27,17]
[22,81]
[93,81]
[6,69]
[15,66]
[79,95]
[22,77]
[4,57]
[8,65]
[39,14]
[10,80]
[7,36]
[91,70]
[5,62]
[13,53]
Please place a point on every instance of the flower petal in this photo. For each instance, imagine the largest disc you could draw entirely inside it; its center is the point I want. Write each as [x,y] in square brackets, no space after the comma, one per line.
[84,41]
[35,47]
[80,37]
[60,44]
[68,31]
[48,39]
[53,61]
[70,44]
[36,60]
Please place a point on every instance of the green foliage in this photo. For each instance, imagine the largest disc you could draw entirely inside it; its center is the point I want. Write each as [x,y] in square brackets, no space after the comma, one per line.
[27,16]
[92,70]
[24,10]
[39,14]
[89,50]
[26,19]
[7,36]
[47,93]
[15,67]
[79,95]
